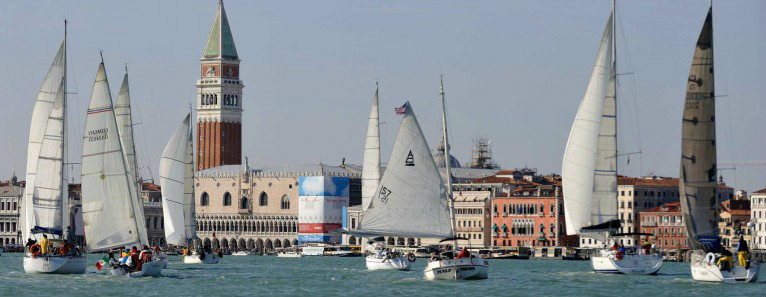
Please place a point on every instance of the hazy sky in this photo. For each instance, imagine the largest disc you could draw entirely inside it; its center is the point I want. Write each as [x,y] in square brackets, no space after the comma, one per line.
[515,71]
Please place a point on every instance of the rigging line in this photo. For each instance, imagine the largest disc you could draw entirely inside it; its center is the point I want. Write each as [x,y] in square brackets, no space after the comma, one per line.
[145,151]
[728,128]
[71,64]
[637,130]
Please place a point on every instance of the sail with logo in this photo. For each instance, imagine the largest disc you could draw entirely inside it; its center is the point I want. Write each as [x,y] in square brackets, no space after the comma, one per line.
[411,199]
[108,191]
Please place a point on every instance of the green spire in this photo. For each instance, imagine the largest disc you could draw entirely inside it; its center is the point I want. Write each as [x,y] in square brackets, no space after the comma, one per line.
[220,42]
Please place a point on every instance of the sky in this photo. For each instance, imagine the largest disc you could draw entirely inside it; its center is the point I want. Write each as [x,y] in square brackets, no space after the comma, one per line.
[514,71]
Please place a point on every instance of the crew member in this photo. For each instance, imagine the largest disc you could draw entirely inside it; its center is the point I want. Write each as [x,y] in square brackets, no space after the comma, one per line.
[725,262]
[463,253]
[44,244]
[742,252]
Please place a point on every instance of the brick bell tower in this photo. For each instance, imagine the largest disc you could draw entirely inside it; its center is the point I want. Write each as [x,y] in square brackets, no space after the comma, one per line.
[219,99]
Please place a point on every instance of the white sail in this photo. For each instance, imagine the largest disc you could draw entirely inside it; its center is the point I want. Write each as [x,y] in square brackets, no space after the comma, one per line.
[108,193]
[48,195]
[124,117]
[588,171]
[176,182]
[698,144]
[371,167]
[411,199]
[51,89]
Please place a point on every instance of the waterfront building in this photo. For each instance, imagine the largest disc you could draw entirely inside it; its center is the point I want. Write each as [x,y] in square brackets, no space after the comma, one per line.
[219,98]
[472,217]
[666,224]
[10,200]
[526,208]
[733,220]
[636,194]
[155,221]
[758,217]
[243,208]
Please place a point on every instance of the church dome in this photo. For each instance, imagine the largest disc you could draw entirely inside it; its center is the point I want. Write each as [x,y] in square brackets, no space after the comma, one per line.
[439,157]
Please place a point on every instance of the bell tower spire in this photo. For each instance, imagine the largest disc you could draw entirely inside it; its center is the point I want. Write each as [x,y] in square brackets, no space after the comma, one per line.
[219,98]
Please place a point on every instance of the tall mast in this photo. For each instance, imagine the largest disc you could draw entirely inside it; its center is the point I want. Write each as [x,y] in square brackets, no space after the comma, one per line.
[447,165]
[66,220]
[136,176]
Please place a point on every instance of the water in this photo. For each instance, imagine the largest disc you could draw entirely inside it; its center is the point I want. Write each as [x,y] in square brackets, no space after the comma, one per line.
[332,276]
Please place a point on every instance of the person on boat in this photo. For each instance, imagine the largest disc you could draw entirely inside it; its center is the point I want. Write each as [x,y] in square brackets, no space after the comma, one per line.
[134,253]
[726,261]
[65,248]
[435,257]
[742,252]
[30,242]
[44,244]
[463,254]
[615,247]
[647,247]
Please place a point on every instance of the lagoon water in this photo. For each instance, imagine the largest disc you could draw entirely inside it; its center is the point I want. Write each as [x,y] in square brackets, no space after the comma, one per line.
[332,276]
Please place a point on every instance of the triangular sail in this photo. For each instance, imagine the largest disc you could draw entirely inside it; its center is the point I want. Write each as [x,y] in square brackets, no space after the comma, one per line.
[589,167]
[50,90]
[371,167]
[49,190]
[176,181]
[698,150]
[124,117]
[411,199]
[108,194]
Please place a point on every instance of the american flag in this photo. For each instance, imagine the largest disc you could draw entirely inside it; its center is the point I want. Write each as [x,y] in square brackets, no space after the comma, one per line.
[401,110]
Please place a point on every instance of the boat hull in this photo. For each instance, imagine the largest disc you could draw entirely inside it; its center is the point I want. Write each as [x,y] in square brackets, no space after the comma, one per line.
[375,263]
[55,265]
[289,255]
[705,272]
[464,268]
[629,264]
[153,268]
[210,258]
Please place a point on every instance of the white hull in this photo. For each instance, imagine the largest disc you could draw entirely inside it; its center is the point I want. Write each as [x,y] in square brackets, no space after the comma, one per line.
[629,264]
[240,254]
[464,268]
[289,255]
[56,265]
[153,268]
[210,258]
[702,271]
[375,263]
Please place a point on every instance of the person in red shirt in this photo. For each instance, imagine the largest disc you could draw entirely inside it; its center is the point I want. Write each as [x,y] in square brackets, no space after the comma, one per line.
[64,248]
[463,254]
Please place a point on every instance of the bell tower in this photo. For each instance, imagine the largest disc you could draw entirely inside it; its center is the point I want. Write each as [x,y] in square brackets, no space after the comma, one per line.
[219,99]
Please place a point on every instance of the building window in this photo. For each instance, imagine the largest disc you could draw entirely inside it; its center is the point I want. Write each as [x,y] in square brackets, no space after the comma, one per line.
[285,202]
[226,199]
[204,199]
[263,200]
[244,204]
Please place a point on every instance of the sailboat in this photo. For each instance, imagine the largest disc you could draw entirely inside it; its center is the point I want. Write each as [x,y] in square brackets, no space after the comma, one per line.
[589,169]
[698,186]
[46,201]
[111,215]
[124,115]
[452,265]
[177,185]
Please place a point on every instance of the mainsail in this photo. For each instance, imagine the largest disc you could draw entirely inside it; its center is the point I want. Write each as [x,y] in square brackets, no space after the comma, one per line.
[698,151]
[589,170]
[108,191]
[45,194]
[177,183]
[371,167]
[124,117]
[411,199]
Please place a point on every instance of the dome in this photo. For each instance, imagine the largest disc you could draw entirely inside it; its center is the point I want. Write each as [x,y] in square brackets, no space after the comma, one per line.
[439,157]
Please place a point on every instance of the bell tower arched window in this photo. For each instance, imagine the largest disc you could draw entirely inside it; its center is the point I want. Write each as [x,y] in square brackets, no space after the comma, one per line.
[263,200]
